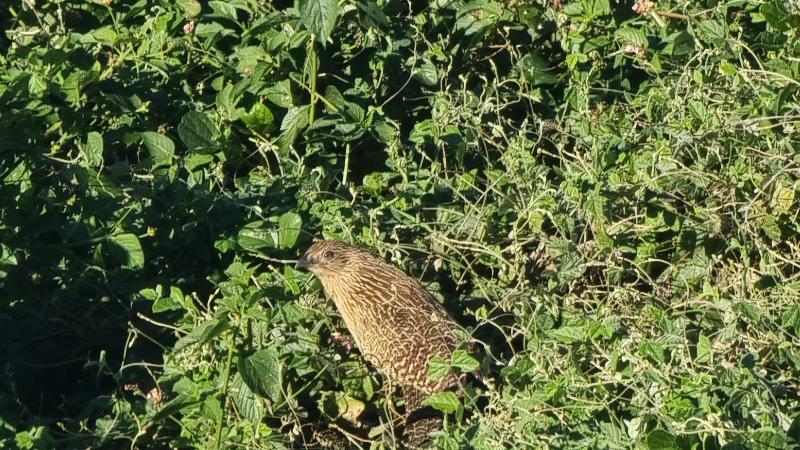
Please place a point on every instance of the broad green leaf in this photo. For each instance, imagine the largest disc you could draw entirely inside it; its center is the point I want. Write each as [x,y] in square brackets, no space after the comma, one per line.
[634,36]
[198,133]
[536,70]
[93,149]
[790,319]
[128,250]
[161,147]
[767,439]
[427,73]
[203,333]
[661,440]
[319,17]
[261,372]
[289,226]
[192,8]
[37,85]
[704,350]
[166,304]
[7,260]
[295,120]
[250,405]
[783,200]
[223,9]
[438,368]
[259,119]
[569,334]
[446,402]
[595,8]
[254,236]
[212,408]
[463,361]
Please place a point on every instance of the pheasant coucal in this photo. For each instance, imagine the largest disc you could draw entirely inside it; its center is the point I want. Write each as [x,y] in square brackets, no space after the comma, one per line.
[395,323]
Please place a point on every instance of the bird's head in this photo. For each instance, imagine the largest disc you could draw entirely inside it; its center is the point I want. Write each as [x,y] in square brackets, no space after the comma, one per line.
[328,258]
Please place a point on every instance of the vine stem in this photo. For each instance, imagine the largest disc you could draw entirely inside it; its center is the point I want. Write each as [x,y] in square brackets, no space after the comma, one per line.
[312,64]
[228,364]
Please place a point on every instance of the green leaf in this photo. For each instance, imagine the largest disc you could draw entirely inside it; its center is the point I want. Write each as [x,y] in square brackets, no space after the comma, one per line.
[446,402]
[259,119]
[165,304]
[536,70]
[128,250]
[569,334]
[254,236]
[783,200]
[198,133]
[438,368]
[596,8]
[37,85]
[767,439]
[463,361]
[704,350]
[790,319]
[250,405]
[161,147]
[289,226]
[203,333]
[633,36]
[778,16]
[261,373]
[212,408]
[711,31]
[295,120]
[319,17]
[427,73]
[93,149]
[661,440]
[192,8]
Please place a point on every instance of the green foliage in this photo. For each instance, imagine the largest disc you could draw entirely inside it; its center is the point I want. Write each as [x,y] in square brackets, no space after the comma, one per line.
[605,196]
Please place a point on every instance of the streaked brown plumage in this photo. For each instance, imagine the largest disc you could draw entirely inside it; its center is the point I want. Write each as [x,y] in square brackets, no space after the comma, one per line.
[394,321]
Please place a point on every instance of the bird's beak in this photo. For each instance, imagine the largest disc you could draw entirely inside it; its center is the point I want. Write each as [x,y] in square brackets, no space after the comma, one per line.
[304,262]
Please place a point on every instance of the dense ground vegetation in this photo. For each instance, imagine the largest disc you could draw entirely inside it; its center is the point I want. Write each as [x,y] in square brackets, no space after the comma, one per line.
[604,193]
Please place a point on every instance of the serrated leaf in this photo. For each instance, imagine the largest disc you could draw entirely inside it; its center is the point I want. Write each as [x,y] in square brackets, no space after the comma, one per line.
[295,120]
[250,405]
[438,368]
[128,250]
[261,373]
[161,147]
[319,17]
[632,36]
[446,402]
[198,133]
[463,361]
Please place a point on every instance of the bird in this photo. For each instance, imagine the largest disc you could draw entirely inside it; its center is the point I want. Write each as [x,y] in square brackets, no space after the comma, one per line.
[395,323]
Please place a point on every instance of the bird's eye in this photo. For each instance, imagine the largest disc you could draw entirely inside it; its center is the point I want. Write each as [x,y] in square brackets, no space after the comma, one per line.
[328,255]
